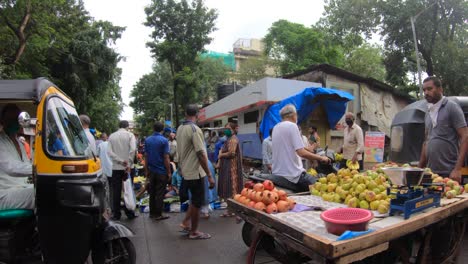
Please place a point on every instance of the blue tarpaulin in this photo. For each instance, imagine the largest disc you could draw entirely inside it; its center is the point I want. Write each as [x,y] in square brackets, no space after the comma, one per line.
[333,101]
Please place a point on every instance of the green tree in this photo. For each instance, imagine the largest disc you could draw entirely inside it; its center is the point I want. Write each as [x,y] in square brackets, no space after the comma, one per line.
[58,39]
[440,25]
[253,69]
[366,60]
[152,94]
[180,32]
[294,47]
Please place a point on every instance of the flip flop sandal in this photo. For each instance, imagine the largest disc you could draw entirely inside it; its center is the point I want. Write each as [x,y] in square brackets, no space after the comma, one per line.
[227,215]
[200,236]
[185,229]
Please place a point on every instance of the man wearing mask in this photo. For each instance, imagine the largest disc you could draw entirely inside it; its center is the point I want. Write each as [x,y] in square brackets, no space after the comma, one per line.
[446,139]
[15,167]
[289,149]
[353,142]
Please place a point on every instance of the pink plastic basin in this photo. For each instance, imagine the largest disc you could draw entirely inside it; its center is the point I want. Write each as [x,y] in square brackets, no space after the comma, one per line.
[338,220]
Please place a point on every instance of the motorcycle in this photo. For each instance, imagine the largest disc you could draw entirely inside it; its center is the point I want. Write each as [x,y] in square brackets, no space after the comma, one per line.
[70,223]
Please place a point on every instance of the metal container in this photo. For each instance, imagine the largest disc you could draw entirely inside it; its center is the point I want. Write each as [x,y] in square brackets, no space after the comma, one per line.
[404,176]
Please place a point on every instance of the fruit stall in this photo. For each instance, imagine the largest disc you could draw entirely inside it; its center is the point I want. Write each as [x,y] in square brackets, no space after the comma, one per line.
[386,215]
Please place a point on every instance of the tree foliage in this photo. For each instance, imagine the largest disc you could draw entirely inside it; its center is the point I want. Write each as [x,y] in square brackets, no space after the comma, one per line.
[152,94]
[253,69]
[366,60]
[293,47]
[58,39]
[441,31]
[180,32]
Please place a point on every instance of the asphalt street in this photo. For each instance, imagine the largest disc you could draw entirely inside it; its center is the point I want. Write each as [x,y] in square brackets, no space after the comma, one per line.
[162,243]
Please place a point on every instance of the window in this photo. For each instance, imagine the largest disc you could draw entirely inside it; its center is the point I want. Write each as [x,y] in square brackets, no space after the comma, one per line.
[251,117]
[64,134]
[396,142]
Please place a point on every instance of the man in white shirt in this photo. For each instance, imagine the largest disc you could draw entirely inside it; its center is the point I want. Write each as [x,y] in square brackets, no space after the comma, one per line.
[15,167]
[106,162]
[288,149]
[267,153]
[85,122]
[353,142]
[121,150]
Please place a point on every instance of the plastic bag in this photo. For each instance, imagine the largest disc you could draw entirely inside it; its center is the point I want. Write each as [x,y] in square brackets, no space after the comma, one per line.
[129,195]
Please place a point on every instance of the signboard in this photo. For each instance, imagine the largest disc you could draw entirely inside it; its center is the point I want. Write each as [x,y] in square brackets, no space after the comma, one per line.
[374,143]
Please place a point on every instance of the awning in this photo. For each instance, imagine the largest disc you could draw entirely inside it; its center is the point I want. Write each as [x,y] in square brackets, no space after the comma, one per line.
[333,101]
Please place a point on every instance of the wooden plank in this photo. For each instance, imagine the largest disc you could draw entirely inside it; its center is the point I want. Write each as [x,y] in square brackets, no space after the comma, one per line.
[319,244]
[341,248]
[362,254]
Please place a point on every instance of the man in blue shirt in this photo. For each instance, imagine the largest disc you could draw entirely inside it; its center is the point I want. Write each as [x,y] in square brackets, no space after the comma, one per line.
[157,170]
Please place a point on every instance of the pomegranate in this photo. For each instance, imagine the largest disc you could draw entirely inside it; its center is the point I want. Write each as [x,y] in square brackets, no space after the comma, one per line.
[272,208]
[291,202]
[242,199]
[249,184]
[236,197]
[273,197]
[260,206]
[282,195]
[275,190]
[244,192]
[251,204]
[249,191]
[268,185]
[246,201]
[258,196]
[283,206]
[266,197]
[252,195]
[258,187]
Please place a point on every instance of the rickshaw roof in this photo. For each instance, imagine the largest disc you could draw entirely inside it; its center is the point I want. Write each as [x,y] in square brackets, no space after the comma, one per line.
[24,89]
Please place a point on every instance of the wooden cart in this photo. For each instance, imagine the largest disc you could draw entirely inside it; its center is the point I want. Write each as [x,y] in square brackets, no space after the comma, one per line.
[394,238]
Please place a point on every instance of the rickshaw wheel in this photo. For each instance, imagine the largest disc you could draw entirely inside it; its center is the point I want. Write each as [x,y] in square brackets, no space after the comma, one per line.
[117,251]
[450,234]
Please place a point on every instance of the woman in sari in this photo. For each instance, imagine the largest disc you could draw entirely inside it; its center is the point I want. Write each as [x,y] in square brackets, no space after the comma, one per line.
[230,166]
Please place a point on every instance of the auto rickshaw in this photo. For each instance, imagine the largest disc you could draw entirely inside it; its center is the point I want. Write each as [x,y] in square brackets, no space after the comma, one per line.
[407,132]
[70,223]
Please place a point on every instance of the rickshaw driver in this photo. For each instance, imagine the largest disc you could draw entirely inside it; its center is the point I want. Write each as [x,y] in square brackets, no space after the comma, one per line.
[446,139]
[15,167]
[288,149]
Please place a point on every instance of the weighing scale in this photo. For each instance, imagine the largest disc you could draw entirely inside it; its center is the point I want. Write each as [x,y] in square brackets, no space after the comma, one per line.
[410,196]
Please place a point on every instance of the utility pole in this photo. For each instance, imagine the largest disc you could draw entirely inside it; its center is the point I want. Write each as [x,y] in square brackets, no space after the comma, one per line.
[418,64]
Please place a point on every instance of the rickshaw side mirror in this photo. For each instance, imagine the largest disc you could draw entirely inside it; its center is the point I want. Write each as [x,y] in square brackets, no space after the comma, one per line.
[25,120]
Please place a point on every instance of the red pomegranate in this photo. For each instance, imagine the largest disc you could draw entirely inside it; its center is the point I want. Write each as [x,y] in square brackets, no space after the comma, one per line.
[282,195]
[268,185]
[260,206]
[258,187]
[272,208]
[251,204]
[244,192]
[273,197]
[236,197]
[266,197]
[283,206]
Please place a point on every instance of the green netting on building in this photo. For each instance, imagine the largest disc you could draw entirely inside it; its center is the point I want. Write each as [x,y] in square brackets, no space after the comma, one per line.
[228,58]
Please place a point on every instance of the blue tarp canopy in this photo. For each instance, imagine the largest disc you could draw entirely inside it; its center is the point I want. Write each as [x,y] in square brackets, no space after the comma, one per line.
[334,102]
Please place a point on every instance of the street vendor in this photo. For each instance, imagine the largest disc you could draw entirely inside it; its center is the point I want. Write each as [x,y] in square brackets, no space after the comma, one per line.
[446,134]
[353,141]
[288,149]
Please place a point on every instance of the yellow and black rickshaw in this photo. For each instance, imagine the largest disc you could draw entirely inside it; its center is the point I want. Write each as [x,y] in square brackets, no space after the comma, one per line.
[70,222]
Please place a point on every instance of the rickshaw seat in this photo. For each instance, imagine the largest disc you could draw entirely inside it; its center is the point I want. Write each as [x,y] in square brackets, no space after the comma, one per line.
[10,214]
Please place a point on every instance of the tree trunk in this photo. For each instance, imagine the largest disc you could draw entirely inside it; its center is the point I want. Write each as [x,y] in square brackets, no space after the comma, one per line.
[19,32]
[174,91]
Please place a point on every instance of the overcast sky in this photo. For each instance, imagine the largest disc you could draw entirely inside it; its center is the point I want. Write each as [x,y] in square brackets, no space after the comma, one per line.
[236,19]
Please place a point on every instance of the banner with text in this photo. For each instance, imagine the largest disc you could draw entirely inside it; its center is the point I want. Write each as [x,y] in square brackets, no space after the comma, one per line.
[374,143]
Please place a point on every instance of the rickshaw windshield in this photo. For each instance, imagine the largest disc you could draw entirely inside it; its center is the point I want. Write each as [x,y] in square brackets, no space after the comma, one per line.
[65,136]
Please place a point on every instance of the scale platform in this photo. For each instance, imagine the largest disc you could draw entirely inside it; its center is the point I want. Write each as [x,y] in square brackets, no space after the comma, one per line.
[411,196]
[410,200]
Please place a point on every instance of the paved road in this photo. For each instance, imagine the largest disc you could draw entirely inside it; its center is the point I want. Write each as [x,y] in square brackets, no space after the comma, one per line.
[161,243]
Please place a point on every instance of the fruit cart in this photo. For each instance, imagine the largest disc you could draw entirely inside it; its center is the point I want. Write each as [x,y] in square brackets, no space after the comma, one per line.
[432,235]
